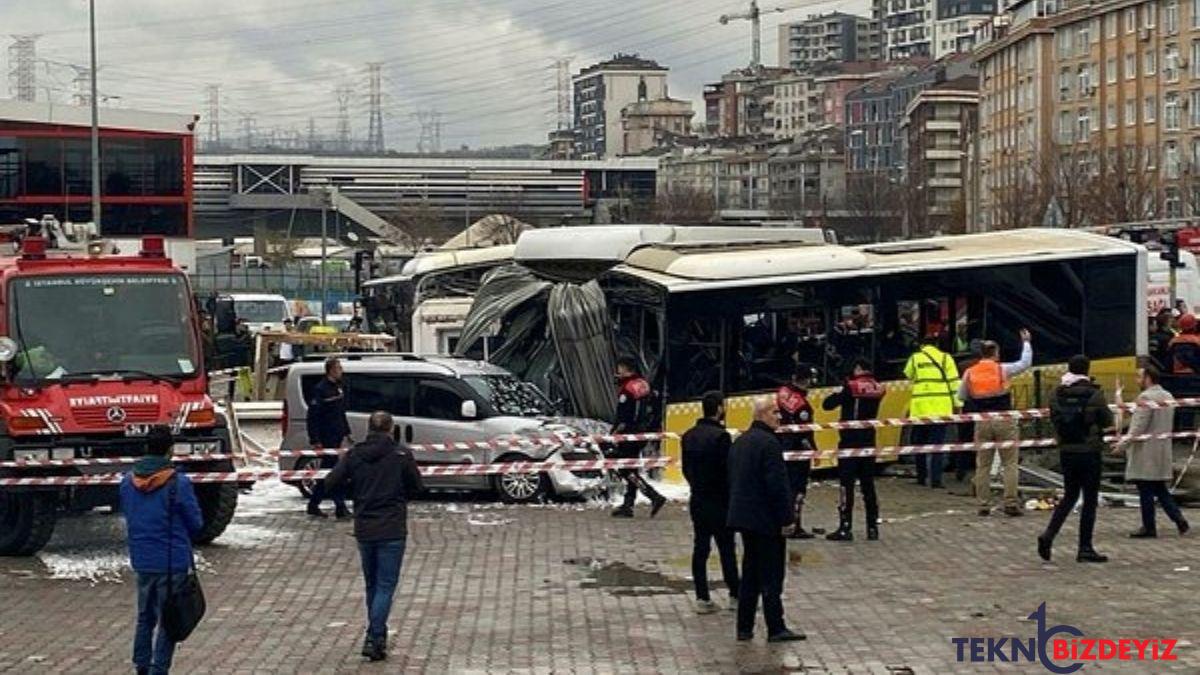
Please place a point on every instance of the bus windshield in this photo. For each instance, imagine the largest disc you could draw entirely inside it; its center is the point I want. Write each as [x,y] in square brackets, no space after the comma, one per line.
[102,325]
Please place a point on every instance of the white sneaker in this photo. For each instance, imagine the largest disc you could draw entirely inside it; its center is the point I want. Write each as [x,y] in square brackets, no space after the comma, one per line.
[732,606]
[706,607]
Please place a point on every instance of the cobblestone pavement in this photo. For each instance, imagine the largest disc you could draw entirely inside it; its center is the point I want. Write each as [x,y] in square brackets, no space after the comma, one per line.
[568,589]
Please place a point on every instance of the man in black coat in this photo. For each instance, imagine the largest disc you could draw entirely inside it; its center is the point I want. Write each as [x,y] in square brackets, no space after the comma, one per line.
[1080,416]
[382,476]
[760,507]
[859,400]
[706,468]
[328,428]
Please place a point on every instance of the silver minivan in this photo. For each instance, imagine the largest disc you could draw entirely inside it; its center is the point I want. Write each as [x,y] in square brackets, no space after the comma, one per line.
[439,399]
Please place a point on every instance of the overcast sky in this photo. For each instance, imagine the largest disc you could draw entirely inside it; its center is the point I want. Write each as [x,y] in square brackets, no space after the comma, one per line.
[485,65]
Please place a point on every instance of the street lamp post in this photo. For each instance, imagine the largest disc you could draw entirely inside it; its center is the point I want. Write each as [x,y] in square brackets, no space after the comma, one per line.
[95,122]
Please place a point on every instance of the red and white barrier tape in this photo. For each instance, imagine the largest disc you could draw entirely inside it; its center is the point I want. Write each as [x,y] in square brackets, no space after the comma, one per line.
[892,450]
[1033,413]
[102,461]
[292,476]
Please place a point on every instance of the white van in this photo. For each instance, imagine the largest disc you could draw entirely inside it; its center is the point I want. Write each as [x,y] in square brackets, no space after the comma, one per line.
[1187,283]
[261,311]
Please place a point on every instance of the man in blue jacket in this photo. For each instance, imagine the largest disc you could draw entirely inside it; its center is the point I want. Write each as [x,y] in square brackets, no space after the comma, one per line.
[161,516]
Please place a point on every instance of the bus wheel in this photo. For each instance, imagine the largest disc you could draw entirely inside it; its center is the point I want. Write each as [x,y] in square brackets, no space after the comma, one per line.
[520,488]
[26,522]
[218,501]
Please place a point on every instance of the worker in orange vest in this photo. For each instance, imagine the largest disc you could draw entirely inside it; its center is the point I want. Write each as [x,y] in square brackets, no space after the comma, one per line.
[1184,349]
[986,386]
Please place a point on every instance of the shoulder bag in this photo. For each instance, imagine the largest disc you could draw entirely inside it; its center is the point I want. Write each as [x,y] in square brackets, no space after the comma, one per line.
[185,606]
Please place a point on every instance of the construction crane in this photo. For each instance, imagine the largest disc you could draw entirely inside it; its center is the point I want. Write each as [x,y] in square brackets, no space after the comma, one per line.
[754,16]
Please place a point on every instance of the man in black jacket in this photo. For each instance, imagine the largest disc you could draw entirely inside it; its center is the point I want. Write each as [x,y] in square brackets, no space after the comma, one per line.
[859,399]
[795,408]
[760,507]
[382,476]
[706,468]
[328,428]
[1080,416]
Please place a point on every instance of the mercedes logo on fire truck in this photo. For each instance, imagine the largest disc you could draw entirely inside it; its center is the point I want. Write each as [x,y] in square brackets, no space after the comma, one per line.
[115,414]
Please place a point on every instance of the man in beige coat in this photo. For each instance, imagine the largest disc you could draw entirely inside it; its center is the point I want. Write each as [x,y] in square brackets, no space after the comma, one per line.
[1148,462]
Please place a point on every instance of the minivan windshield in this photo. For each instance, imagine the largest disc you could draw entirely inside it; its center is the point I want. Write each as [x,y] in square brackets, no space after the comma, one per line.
[510,396]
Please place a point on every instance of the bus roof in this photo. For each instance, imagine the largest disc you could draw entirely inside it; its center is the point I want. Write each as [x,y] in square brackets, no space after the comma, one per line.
[679,268]
[441,260]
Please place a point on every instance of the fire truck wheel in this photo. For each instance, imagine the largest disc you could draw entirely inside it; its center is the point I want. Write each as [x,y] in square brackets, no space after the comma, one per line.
[26,522]
[217,504]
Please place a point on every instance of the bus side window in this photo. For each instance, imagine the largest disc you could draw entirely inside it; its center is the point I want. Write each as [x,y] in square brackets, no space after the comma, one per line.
[852,338]
[696,358]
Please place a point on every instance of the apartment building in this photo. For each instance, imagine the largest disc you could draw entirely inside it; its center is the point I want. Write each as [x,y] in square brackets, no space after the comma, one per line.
[602,91]
[824,38]
[939,127]
[1091,113]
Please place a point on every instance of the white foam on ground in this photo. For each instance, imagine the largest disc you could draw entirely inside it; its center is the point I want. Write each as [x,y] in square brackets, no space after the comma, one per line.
[267,498]
[91,565]
[244,535]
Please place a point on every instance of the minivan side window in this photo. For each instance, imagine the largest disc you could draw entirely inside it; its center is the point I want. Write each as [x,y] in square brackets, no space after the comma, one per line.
[438,400]
[370,393]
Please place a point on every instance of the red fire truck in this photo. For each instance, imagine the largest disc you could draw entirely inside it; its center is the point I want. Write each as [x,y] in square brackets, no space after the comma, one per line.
[94,350]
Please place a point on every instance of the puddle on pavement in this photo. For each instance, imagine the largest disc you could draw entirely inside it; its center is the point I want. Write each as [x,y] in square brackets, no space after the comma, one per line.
[621,579]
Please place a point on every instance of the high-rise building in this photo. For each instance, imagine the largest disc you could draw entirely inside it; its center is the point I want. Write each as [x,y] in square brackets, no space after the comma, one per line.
[929,28]
[602,90]
[828,37]
[1090,114]
[938,127]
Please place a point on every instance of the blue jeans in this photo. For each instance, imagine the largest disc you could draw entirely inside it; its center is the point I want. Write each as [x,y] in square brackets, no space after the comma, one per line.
[381,562]
[929,465]
[151,596]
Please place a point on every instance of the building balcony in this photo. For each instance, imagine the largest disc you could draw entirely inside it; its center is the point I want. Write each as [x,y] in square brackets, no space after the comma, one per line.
[943,125]
[943,154]
[944,182]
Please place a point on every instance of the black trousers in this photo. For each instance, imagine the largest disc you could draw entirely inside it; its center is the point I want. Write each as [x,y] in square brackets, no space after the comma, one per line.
[705,530]
[1081,474]
[862,471]
[764,562]
[798,478]
[319,493]
[1148,491]
[634,479]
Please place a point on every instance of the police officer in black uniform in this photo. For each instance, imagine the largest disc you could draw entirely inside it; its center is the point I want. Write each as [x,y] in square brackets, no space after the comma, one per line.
[634,398]
[859,399]
[794,408]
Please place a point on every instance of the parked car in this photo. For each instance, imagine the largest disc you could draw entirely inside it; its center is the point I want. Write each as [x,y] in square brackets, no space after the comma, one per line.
[443,399]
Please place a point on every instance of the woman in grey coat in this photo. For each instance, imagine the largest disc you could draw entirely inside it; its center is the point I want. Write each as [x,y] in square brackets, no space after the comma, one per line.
[1148,462]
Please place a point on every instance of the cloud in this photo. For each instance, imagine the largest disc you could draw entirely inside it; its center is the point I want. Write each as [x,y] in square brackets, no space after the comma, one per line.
[484,65]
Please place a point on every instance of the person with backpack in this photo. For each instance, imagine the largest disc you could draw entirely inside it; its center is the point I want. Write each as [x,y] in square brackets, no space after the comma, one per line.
[934,377]
[1080,416]
[859,399]
[635,403]
[161,517]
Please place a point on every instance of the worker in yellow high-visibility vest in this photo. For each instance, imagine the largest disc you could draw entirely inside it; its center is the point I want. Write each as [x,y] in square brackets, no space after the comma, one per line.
[934,377]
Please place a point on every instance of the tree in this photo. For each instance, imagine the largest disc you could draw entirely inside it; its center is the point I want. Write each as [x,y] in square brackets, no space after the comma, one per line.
[876,206]
[674,204]
[422,223]
[279,248]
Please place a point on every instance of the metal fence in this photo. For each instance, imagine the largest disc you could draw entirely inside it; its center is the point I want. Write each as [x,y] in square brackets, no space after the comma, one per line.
[290,281]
